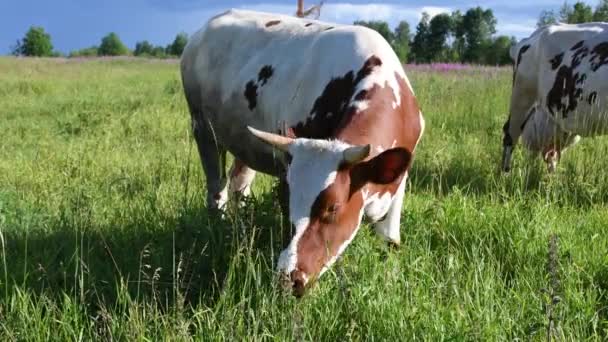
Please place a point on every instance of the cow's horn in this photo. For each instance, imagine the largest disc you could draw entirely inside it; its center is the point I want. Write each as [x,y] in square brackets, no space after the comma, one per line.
[275,140]
[355,154]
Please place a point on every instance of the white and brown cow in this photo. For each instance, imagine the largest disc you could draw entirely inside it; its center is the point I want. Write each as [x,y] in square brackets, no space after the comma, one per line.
[560,84]
[351,118]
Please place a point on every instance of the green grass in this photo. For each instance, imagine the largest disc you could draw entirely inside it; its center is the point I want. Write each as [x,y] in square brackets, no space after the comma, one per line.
[104,234]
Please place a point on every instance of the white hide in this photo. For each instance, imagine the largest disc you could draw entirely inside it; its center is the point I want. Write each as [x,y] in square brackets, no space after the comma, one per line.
[542,131]
[227,49]
[389,227]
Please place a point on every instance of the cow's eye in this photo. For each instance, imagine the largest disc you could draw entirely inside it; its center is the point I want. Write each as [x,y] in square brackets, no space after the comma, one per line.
[333,208]
[331,213]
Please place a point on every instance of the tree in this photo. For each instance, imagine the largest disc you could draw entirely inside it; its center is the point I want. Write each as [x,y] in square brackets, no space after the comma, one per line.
[111,45]
[478,26]
[498,53]
[565,12]
[581,13]
[143,48]
[401,43]
[378,26]
[86,52]
[179,43]
[601,11]
[458,31]
[420,49]
[546,18]
[437,41]
[16,49]
[159,52]
[35,43]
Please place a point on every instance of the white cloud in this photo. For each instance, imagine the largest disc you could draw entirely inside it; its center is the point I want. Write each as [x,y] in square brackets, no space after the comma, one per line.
[346,13]
[433,10]
[514,26]
[515,29]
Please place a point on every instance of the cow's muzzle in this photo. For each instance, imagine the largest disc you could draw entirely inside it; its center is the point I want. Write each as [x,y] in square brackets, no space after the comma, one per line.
[296,282]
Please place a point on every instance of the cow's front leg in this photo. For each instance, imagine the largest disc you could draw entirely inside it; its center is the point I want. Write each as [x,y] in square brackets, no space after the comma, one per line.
[521,110]
[241,177]
[389,227]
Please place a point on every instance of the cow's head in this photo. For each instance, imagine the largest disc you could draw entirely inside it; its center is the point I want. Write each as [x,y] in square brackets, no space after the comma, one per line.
[541,135]
[325,179]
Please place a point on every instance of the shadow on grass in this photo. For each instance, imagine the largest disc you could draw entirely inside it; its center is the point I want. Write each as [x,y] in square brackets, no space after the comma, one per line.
[573,185]
[182,259]
[472,178]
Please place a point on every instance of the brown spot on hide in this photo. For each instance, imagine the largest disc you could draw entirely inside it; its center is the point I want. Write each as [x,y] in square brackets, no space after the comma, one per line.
[557,61]
[251,88]
[251,94]
[521,53]
[599,56]
[564,95]
[265,74]
[272,23]
[577,45]
[333,105]
[592,98]
[579,54]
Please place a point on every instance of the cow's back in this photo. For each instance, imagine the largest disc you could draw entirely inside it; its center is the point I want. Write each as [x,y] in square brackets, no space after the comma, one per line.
[267,71]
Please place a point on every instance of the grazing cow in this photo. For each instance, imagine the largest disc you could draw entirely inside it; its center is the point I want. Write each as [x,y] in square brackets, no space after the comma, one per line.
[560,83]
[326,108]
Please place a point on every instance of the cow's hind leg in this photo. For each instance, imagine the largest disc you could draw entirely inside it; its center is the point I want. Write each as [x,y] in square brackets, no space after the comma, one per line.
[241,177]
[389,226]
[213,158]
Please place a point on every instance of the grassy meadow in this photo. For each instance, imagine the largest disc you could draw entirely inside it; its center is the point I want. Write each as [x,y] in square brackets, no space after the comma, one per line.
[104,234]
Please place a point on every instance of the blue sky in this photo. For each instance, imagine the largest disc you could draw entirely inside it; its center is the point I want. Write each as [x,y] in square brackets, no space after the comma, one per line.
[75,24]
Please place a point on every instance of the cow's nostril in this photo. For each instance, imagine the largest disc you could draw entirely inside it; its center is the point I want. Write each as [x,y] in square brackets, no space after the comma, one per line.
[298,280]
[298,288]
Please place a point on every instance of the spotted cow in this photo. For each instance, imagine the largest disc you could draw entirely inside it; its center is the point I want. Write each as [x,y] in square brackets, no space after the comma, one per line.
[560,83]
[326,108]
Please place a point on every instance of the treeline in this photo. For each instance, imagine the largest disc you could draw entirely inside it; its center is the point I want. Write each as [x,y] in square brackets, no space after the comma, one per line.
[467,37]
[577,13]
[37,42]
[448,37]
[455,37]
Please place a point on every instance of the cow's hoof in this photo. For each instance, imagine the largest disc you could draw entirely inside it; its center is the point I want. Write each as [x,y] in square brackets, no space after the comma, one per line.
[217,213]
[393,244]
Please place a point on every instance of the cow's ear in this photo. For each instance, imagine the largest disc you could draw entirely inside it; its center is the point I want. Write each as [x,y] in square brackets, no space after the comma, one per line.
[384,168]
